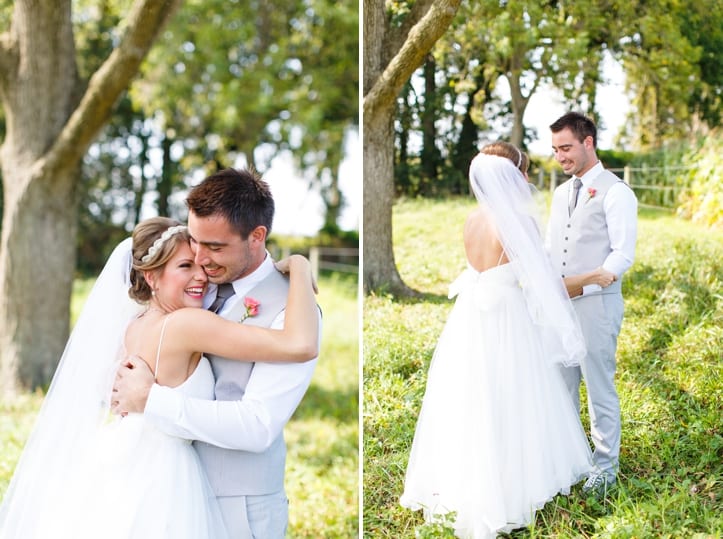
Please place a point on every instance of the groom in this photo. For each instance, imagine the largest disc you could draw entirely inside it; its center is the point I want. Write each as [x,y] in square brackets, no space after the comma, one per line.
[239,436]
[593,224]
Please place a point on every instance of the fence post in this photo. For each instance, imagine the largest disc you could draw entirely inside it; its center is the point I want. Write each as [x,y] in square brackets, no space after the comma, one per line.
[626,174]
[553,180]
[540,178]
[314,259]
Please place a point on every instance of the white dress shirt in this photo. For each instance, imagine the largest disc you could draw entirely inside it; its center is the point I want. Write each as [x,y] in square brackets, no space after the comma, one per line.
[272,394]
[621,215]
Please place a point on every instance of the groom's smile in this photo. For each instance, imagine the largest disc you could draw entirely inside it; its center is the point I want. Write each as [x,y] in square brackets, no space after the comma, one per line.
[221,251]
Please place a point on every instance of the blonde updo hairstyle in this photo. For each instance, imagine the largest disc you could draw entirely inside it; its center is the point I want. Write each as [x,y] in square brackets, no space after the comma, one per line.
[511,152]
[145,235]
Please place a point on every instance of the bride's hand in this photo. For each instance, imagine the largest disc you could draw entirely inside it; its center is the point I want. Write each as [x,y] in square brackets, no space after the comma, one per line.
[603,277]
[296,263]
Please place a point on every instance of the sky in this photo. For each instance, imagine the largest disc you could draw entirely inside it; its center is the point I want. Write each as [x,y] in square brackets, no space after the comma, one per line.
[299,210]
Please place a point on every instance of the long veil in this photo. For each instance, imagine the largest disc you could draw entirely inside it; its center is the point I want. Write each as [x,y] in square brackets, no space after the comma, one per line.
[500,187]
[77,403]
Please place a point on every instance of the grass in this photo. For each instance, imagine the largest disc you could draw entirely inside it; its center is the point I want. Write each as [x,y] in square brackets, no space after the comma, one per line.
[322,438]
[670,356]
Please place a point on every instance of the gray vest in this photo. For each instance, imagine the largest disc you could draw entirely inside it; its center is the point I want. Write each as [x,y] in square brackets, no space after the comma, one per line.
[580,243]
[231,472]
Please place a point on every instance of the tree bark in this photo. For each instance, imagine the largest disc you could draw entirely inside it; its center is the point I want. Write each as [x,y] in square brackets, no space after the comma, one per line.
[48,130]
[430,157]
[390,57]
[331,195]
[518,100]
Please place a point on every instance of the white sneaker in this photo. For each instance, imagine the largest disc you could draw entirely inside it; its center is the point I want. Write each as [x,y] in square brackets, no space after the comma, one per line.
[599,483]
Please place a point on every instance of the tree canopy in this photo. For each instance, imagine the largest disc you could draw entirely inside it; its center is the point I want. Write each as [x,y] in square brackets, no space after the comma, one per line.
[224,79]
[670,53]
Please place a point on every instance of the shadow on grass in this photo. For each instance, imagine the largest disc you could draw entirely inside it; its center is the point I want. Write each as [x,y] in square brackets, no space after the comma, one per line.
[344,448]
[320,403]
[422,297]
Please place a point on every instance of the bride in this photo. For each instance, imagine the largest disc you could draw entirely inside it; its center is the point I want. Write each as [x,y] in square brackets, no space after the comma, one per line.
[498,435]
[85,473]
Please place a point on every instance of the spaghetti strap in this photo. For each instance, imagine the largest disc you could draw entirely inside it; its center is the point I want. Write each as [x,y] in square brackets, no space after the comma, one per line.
[501,255]
[160,342]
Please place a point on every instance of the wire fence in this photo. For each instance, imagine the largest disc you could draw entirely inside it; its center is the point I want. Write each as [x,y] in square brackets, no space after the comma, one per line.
[655,187]
[338,259]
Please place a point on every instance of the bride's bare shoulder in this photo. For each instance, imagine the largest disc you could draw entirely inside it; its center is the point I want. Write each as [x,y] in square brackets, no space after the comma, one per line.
[481,243]
[478,221]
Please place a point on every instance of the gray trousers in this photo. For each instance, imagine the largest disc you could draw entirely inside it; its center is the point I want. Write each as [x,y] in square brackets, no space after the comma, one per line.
[255,517]
[600,316]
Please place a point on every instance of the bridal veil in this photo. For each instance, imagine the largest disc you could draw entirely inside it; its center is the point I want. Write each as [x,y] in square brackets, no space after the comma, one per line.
[77,403]
[502,189]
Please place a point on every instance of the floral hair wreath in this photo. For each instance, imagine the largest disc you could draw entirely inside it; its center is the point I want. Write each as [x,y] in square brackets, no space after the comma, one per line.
[160,241]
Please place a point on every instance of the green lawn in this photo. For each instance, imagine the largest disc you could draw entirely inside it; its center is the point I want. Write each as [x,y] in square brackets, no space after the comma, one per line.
[670,357]
[322,467]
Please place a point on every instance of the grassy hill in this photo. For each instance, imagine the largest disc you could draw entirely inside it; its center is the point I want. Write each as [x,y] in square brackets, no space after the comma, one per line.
[670,361]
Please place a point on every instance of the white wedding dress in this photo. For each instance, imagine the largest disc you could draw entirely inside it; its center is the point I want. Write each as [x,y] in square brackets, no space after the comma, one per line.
[85,474]
[497,436]
[137,482]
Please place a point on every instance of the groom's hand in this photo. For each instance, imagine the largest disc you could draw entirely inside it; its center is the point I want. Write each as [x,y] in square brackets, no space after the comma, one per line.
[133,382]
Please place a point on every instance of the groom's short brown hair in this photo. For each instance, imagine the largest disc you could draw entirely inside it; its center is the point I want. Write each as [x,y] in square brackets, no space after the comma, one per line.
[239,195]
[580,125]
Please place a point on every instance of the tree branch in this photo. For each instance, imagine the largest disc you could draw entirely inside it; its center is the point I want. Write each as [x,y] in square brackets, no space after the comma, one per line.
[143,24]
[397,36]
[420,39]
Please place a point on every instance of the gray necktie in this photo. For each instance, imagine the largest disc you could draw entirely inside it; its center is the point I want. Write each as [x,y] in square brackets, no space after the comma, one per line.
[224,292]
[575,191]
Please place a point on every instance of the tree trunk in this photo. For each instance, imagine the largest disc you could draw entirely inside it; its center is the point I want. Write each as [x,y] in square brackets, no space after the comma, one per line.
[37,266]
[467,145]
[430,155]
[331,196]
[404,117]
[519,105]
[391,54]
[165,184]
[380,271]
[140,192]
[38,233]
[48,130]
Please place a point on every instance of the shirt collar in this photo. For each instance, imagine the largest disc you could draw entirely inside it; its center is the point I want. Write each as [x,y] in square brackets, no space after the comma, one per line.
[591,174]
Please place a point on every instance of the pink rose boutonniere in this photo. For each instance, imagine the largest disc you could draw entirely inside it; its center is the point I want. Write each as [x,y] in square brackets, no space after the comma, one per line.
[252,308]
[590,193]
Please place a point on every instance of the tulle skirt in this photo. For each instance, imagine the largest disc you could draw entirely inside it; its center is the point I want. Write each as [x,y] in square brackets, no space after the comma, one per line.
[135,482]
[497,436]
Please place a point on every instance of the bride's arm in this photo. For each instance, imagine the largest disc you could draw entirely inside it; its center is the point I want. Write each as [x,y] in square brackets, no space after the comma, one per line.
[203,331]
[599,276]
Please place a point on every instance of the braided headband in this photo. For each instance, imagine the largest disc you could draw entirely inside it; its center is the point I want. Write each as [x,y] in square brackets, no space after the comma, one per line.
[160,241]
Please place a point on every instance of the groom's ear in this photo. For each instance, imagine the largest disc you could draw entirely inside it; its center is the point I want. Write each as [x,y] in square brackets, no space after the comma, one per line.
[258,234]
